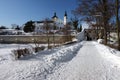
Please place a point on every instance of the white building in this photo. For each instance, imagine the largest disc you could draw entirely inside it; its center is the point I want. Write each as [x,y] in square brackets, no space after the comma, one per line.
[55,21]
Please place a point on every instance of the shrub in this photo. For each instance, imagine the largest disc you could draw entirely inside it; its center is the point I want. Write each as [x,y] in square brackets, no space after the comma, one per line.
[21,52]
[37,49]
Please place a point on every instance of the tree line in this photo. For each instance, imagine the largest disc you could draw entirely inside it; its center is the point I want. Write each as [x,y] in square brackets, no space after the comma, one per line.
[105,13]
[30,27]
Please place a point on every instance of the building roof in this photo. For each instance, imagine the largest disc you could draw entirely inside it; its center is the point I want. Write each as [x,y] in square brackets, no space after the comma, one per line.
[65,13]
[49,21]
[54,16]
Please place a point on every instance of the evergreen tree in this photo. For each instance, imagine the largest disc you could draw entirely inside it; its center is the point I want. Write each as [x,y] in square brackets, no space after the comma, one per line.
[80,29]
[3,27]
[29,27]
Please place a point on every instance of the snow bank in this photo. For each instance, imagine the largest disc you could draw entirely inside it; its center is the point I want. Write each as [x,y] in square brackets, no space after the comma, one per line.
[110,54]
[39,66]
[64,54]
[6,54]
[6,50]
[80,36]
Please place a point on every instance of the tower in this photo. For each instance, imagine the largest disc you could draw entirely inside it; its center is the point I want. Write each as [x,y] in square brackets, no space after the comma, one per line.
[65,18]
[54,17]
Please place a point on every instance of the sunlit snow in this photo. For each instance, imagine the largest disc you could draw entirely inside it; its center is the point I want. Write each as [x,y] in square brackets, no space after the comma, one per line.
[83,60]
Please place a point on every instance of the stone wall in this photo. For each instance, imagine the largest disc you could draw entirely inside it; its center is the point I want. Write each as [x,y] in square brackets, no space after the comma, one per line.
[34,38]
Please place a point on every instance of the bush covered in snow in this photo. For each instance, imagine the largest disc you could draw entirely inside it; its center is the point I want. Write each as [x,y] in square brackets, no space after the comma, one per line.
[37,49]
[21,52]
[18,53]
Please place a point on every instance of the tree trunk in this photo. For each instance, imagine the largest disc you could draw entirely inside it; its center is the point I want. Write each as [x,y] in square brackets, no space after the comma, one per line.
[54,39]
[48,41]
[105,20]
[117,22]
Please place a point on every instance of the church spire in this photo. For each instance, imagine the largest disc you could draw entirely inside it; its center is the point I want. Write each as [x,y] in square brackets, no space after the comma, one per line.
[54,14]
[65,18]
[65,14]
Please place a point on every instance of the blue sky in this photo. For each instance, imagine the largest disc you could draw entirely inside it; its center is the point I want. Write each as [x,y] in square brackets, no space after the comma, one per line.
[21,11]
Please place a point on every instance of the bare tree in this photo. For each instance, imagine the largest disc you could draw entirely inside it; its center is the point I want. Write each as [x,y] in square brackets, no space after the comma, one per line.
[54,28]
[67,31]
[89,8]
[47,27]
[75,22]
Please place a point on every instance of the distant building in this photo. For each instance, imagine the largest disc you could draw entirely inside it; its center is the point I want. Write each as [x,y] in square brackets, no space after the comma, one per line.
[11,32]
[39,28]
[54,21]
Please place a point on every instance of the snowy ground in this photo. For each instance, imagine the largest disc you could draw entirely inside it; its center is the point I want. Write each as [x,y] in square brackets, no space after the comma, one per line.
[6,50]
[39,66]
[89,64]
[86,60]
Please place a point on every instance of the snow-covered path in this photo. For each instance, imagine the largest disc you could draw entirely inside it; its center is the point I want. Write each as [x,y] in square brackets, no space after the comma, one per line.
[80,61]
[87,65]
